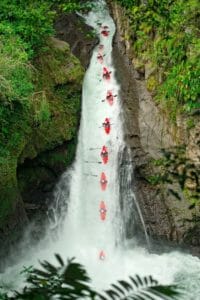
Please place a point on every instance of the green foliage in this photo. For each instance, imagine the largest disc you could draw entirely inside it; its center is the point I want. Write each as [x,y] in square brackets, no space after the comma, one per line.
[71,282]
[154,179]
[166,32]
[42,111]
[76,5]
[31,21]
[32,117]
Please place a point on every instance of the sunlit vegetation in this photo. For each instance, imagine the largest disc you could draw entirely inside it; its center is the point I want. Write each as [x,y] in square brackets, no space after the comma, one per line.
[165,35]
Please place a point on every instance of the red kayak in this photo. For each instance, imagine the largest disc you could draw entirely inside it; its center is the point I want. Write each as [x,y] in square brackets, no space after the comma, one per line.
[106,125]
[102,255]
[106,73]
[104,154]
[103,181]
[100,58]
[105,32]
[110,97]
[102,210]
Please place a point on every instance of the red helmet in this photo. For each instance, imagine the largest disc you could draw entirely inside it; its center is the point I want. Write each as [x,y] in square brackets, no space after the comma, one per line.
[107,120]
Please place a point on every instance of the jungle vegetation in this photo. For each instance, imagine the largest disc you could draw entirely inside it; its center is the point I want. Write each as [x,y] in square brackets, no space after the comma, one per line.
[165,34]
[25,27]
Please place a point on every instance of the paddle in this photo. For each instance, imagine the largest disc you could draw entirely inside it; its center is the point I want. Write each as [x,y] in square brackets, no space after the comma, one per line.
[93,162]
[95,148]
[106,99]
[90,175]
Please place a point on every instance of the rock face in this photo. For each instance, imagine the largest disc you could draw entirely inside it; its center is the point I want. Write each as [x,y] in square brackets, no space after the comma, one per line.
[29,175]
[147,131]
[72,29]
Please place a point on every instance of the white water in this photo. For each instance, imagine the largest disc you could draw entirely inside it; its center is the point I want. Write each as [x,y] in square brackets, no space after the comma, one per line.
[83,234]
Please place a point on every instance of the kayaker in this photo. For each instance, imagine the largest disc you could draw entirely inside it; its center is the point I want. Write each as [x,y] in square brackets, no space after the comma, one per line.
[106,74]
[103,181]
[102,211]
[104,152]
[106,123]
[100,57]
[105,32]
[102,255]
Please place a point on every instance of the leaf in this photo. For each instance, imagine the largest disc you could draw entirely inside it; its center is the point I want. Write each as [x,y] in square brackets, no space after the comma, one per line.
[59,259]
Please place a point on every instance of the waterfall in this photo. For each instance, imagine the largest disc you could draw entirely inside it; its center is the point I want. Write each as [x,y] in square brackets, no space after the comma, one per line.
[79,194]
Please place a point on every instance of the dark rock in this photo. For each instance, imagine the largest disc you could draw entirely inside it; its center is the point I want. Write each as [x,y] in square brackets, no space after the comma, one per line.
[72,29]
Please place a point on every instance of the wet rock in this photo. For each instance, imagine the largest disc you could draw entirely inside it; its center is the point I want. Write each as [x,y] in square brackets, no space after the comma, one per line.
[147,133]
[72,29]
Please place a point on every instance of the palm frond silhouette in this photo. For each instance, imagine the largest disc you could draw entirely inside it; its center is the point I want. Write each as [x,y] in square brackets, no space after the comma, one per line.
[71,281]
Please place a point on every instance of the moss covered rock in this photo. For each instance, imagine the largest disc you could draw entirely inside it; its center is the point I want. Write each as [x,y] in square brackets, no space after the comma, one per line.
[51,119]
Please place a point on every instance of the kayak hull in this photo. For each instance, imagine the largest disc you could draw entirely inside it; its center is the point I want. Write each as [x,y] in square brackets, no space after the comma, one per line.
[103,181]
[102,255]
[104,157]
[110,97]
[102,210]
[105,160]
[106,73]
[110,100]
[107,129]
[100,59]
[105,33]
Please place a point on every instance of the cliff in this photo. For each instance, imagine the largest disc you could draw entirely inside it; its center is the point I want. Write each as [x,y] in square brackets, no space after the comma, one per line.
[165,154]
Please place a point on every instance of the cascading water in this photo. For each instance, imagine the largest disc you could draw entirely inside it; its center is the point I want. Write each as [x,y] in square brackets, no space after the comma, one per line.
[84,235]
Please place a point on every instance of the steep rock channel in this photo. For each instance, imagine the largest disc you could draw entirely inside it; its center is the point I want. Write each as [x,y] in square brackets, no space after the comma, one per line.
[164,205]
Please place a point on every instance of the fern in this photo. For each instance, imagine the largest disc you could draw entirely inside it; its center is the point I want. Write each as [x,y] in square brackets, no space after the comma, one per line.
[71,281]
[140,288]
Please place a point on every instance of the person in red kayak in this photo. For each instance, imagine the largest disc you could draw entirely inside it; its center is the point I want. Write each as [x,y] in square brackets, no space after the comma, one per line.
[102,255]
[106,73]
[106,125]
[102,210]
[110,97]
[104,154]
[103,181]
[100,57]
[105,33]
